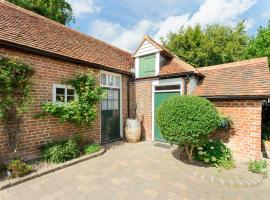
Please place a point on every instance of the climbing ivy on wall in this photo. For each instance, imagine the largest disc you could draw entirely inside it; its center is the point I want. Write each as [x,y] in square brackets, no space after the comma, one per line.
[15,86]
[81,111]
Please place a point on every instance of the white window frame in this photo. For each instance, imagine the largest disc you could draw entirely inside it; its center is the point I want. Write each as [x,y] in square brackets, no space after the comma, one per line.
[121,98]
[163,82]
[66,87]
[114,75]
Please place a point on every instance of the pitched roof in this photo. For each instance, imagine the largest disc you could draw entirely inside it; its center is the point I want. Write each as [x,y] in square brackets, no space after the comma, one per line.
[177,66]
[23,27]
[156,44]
[244,78]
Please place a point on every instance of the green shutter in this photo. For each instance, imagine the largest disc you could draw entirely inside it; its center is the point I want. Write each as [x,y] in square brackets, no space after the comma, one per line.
[147,65]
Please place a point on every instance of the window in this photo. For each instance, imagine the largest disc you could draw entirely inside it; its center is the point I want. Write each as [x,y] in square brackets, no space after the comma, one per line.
[63,93]
[147,65]
[110,80]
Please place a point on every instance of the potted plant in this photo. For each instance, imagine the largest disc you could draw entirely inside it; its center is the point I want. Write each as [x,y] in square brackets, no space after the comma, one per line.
[133,128]
[226,123]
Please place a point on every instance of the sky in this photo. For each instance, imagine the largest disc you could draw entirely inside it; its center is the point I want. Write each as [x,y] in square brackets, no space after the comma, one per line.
[123,23]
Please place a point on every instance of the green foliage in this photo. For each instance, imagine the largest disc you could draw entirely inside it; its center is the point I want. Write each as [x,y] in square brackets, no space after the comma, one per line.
[15,86]
[81,111]
[3,167]
[259,46]
[92,148]
[187,120]
[19,168]
[57,10]
[258,167]
[215,153]
[216,44]
[78,139]
[59,152]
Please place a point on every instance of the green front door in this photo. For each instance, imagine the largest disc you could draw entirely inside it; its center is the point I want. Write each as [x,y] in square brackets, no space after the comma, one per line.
[110,116]
[159,98]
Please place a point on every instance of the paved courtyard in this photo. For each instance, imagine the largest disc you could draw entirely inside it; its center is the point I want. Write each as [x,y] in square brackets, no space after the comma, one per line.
[131,171]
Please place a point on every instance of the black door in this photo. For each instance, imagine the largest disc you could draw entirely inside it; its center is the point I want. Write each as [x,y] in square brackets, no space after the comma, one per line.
[110,116]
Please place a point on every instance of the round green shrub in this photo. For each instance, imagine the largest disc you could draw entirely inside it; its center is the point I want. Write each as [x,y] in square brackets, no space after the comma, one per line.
[187,120]
[216,154]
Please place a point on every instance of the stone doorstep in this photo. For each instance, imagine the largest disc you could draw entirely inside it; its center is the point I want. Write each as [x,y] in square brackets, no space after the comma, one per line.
[15,181]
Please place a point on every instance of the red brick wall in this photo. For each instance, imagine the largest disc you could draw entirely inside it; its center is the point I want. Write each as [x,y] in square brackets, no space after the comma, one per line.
[244,138]
[35,132]
[142,96]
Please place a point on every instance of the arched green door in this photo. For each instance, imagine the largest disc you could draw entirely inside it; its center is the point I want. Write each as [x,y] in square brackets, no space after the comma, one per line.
[159,98]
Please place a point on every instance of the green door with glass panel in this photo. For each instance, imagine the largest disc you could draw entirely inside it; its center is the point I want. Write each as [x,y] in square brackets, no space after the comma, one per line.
[110,115]
[159,98]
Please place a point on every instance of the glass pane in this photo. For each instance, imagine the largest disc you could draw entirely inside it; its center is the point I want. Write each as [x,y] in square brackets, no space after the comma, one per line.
[70,92]
[117,81]
[60,91]
[70,98]
[60,98]
[115,106]
[110,94]
[110,105]
[116,94]
[111,80]
[104,105]
[103,79]
[168,87]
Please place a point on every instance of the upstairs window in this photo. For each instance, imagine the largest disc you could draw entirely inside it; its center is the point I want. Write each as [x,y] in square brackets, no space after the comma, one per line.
[147,65]
[63,93]
[110,80]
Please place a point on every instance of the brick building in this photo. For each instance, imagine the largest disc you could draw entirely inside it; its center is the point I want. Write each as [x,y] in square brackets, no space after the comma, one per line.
[140,81]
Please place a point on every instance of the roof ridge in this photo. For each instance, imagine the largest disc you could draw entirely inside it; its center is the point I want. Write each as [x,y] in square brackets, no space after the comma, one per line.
[59,24]
[233,64]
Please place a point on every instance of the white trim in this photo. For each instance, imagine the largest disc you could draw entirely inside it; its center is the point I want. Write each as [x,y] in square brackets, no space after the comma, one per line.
[63,87]
[157,63]
[121,98]
[137,64]
[163,82]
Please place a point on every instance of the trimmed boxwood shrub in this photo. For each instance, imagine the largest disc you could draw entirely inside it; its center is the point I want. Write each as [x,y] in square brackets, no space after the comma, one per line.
[216,154]
[188,121]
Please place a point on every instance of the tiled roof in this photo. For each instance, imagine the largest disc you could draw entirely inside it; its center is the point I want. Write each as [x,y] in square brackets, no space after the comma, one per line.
[26,28]
[244,78]
[177,66]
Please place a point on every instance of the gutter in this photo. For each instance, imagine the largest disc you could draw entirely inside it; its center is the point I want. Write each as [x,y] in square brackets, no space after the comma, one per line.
[16,47]
[238,97]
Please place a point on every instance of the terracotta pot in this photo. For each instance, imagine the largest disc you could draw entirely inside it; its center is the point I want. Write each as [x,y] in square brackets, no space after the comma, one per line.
[133,130]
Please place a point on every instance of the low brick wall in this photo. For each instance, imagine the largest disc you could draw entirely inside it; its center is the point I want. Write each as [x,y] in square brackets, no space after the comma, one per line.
[244,138]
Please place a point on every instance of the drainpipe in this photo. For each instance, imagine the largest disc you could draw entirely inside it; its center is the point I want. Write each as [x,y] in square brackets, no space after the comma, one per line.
[128,96]
[186,81]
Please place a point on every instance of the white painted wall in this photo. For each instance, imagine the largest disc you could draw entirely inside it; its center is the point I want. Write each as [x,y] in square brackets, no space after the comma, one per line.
[193,82]
[146,49]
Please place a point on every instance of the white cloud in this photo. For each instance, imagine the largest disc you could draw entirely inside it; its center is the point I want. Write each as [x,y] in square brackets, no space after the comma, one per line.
[221,11]
[249,23]
[211,11]
[117,35]
[171,24]
[81,7]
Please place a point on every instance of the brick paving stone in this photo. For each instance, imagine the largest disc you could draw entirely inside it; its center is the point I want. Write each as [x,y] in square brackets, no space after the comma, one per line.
[137,171]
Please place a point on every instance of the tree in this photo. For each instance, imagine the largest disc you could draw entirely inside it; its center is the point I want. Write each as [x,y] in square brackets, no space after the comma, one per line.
[188,121]
[216,44]
[57,10]
[259,45]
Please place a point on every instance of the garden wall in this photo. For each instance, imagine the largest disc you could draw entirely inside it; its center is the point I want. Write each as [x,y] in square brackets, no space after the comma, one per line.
[244,138]
[35,132]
